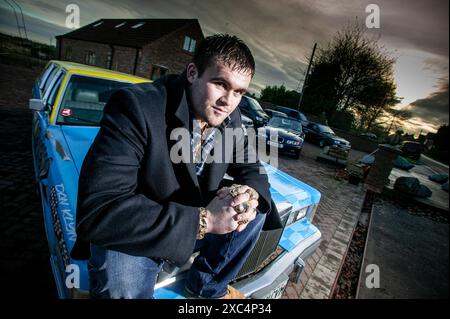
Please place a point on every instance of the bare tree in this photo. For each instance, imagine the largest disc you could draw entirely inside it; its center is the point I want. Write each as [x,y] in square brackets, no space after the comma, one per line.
[352,74]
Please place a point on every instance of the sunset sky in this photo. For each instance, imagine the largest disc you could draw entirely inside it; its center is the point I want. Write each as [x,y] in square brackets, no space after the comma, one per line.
[281,35]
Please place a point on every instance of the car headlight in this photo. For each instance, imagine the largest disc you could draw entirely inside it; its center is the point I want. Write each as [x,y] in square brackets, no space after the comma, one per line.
[296,215]
[301,213]
[313,212]
[259,119]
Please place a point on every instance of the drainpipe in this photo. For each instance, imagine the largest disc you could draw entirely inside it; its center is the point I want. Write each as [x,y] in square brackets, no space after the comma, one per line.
[112,57]
[136,61]
[59,45]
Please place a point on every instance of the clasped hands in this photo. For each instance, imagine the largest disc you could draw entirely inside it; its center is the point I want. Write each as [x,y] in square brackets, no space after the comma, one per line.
[232,209]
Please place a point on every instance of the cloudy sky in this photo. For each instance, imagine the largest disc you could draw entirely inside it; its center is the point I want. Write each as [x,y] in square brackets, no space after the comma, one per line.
[281,35]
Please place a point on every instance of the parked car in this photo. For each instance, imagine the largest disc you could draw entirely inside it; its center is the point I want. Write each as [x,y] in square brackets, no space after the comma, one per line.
[251,108]
[246,121]
[369,136]
[411,149]
[68,102]
[284,133]
[324,136]
[291,113]
[273,113]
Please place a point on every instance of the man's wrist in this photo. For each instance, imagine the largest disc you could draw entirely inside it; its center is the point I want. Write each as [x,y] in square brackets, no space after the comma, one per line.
[203,223]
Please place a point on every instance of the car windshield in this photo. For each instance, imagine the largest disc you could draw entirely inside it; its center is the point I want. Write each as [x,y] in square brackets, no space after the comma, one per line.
[85,98]
[254,105]
[326,130]
[286,123]
[294,114]
[276,113]
[302,117]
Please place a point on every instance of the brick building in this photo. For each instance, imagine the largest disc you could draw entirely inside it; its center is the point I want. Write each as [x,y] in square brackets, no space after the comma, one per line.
[144,47]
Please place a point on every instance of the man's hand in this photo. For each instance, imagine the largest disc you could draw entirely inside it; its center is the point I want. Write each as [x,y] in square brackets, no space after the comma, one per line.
[245,198]
[220,217]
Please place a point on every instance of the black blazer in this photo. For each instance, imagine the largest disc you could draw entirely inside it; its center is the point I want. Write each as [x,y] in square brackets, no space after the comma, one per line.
[131,197]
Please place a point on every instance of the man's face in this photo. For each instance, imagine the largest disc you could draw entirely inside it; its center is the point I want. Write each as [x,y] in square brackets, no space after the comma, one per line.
[217,92]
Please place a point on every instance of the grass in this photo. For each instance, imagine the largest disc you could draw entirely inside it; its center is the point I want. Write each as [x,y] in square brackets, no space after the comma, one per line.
[22,60]
[23,52]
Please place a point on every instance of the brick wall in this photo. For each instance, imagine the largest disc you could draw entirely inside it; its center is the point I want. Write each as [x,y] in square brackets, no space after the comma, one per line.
[123,59]
[78,50]
[380,170]
[168,52]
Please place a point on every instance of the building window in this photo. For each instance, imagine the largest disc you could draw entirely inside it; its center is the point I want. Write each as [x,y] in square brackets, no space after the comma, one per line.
[119,25]
[140,24]
[157,72]
[68,56]
[89,58]
[189,44]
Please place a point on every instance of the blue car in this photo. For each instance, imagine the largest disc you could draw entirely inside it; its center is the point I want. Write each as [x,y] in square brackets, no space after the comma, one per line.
[67,104]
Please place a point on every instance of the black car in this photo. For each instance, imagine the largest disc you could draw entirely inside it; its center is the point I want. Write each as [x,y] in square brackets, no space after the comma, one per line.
[251,108]
[324,136]
[273,113]
[246,121]
[369,136]
[411,149]
[291,113]
[284,133]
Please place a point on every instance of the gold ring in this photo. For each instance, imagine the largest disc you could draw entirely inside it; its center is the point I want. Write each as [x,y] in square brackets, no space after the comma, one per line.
[243,222]
[241,208]
[252,194]
[234,190]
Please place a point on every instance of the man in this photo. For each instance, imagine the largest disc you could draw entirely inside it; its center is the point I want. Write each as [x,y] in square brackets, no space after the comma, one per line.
[137,208]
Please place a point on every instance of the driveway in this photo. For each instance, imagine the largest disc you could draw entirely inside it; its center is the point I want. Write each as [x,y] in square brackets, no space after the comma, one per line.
[410,247]
[336,218]
[24,265]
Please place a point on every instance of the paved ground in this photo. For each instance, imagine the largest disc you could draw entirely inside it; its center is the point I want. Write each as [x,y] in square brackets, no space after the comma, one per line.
[410,246]
[24,265]
[24,258]
[336,218]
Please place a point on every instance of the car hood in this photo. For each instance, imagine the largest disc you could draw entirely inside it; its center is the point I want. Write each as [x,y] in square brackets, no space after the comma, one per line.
[339,139]
[79,140]
[264,115]
[283,133]
[287,189]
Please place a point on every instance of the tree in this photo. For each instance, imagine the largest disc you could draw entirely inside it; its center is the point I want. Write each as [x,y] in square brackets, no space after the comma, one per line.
[252,95]
[395,118]
[378,100]
[352,74]
[280,96]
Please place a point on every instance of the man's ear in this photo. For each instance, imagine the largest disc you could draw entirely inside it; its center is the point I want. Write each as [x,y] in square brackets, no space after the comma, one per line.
[191,72]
